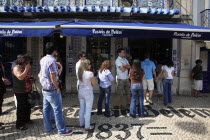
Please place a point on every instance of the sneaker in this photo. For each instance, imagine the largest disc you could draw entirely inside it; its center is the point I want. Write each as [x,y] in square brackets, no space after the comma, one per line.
[150,101]
[145,101]
[67,133]
[54,128]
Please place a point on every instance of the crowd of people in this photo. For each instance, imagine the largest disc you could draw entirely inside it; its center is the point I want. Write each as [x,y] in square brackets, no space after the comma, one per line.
[136,81]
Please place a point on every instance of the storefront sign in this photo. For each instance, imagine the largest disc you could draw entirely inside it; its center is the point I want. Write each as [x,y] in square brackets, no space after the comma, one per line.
[108,32]
[187,35]
[12,32]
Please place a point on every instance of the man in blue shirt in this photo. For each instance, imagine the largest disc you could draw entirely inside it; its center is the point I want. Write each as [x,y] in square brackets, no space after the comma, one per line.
[148,82]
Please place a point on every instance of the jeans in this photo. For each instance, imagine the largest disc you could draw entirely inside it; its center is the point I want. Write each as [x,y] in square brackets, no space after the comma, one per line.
[104,92]
[86,103]
[53,100]
[167,83]
[137,92]
[23,109]
[160,86]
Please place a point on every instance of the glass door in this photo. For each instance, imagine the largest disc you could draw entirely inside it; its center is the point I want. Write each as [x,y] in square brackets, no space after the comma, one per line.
[98,50]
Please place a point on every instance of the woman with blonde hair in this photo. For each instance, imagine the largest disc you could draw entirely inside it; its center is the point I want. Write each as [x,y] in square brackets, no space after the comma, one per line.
[86,83]
[105,77]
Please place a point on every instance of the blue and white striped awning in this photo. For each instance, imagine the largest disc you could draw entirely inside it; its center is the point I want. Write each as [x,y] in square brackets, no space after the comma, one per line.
[135,30]
[28,29]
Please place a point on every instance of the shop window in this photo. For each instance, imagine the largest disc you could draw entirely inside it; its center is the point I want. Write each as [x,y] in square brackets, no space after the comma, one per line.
[127,3]
[98,50]
[98,2]
[159,49]
[11,47]
[151,3]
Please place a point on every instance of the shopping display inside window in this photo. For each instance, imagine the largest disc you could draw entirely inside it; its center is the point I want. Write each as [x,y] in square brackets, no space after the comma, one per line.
[98,50]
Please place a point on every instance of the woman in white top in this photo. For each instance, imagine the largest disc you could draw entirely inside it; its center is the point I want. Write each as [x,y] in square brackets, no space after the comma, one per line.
[167,82]
[105,77]
[86,83]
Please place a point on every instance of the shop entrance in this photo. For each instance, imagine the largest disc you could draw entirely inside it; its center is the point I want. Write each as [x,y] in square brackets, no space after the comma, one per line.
[98,49]
[60,42]
[159,49]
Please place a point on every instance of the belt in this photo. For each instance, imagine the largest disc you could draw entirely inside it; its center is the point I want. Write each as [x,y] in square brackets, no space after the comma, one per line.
[48,90]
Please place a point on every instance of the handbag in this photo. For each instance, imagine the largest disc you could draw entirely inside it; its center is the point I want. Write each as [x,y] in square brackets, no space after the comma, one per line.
[33,96]
[164,74]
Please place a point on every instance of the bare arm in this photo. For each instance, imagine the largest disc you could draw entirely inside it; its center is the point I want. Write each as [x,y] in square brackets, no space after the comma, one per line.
[154,73]
[61,68]
[21,75]
[159,75]
[93,81]
[54,80]
[192,75]
[127,66]
[172,73]
[122,68]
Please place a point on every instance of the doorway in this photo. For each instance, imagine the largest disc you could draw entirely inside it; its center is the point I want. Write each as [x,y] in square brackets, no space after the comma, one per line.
[159,49]
[98,50]
[60,42]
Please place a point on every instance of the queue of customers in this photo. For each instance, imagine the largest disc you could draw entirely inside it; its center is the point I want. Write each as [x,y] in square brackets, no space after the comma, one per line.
[135,81]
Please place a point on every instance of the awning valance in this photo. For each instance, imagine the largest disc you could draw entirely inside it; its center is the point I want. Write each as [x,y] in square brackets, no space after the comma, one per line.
[28,29]
[135,30]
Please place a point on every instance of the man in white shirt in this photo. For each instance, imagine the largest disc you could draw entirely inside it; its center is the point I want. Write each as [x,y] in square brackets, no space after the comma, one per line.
[81,56]
[123,83]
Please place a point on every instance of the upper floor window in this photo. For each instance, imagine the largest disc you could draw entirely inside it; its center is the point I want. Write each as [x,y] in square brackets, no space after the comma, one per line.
[150,3]
[99,2]
[55,2]
[127,3]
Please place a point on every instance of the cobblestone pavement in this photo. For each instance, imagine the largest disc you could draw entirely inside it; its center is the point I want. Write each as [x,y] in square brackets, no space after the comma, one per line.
[187,118]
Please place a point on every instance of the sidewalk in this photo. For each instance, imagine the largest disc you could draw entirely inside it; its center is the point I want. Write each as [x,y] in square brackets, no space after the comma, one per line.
[187,118]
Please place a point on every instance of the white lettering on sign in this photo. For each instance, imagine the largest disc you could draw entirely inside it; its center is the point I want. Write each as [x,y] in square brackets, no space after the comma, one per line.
[10,32]
[108,32]
[186,35]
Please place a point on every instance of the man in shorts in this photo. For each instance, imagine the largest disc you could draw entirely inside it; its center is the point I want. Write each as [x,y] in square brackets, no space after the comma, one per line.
[148,82]
[198,78]
[122,81]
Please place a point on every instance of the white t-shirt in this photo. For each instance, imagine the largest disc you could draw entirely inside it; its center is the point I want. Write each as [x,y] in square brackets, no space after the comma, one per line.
[169,71]
[119,62]
[85,86]
[105,78]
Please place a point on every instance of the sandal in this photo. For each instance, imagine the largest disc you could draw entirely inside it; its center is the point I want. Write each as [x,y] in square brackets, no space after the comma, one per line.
[89,129]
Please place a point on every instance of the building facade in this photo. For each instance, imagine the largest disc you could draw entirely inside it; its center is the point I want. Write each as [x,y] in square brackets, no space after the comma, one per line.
[183,52]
